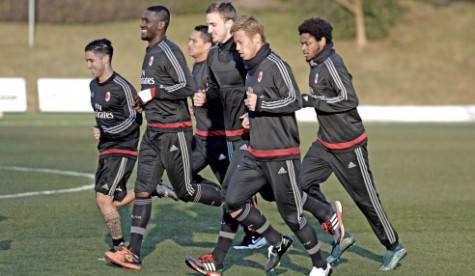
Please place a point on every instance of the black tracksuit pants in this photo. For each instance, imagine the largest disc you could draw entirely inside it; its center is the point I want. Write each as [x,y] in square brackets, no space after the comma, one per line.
[253,176]
[210,151]
[351,167]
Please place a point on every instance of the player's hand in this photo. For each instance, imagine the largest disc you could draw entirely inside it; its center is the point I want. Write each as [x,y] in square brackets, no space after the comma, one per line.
[138,103]
[245,121]
[96,132]
[308,101]
[251,100]
[199,99]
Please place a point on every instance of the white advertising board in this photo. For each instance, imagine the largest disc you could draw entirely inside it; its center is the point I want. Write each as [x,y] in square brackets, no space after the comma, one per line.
[405,113]
[64,95]
[12,95]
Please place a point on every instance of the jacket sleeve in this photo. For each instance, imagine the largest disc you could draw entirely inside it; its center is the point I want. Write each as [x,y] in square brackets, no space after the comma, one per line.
[288,99]
[130,123]
[340,82]
[174,63]
[212,88]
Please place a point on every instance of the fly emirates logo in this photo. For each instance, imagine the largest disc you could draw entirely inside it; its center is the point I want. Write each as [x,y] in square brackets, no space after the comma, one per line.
[144,80]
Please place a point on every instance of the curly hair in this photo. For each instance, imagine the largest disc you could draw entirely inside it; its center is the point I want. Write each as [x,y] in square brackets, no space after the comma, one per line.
[318,28]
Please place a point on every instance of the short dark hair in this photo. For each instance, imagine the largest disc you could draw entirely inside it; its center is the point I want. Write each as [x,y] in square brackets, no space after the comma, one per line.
[318,28]
[203,29]
[162,12]
[103,46]
[225,9]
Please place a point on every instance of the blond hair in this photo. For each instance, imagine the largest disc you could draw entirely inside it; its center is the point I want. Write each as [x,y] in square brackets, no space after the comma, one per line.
[249,25]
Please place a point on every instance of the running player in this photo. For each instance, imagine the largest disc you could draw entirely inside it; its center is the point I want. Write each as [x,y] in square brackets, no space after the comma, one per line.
[273,154]
[166,85]
[341,145]
[117,129]
[209,142]
[226,82]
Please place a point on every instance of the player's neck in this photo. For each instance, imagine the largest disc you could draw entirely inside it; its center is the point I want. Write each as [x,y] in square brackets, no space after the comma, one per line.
[201,58]
[155,40]
[106,75]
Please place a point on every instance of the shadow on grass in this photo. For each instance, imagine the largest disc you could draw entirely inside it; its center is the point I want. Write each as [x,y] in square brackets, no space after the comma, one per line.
[6,244]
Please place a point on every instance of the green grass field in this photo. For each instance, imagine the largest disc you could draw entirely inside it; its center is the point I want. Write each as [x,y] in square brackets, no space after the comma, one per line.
[424,173]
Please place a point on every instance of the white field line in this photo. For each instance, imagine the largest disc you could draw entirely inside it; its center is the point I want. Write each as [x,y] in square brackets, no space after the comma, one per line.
[48,171]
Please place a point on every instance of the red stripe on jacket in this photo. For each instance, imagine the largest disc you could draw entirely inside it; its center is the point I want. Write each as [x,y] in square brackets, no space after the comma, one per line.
[206,133]
[119,151]
[274,152]
[236,132]
[171,125]
[343,145]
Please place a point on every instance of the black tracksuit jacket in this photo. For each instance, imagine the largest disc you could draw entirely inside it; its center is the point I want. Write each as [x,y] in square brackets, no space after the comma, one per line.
[118,122]
[335,101]
[226,81]
[209,117]
[274,131]
[165,72]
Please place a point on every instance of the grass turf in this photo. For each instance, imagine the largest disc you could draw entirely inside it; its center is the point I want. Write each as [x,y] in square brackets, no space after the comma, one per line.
[423,172]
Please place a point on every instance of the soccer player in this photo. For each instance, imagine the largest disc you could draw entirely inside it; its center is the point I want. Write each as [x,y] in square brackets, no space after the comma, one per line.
[165,87]
[117,129]
[226,82]
[209,142]
[341,145]
[273,154]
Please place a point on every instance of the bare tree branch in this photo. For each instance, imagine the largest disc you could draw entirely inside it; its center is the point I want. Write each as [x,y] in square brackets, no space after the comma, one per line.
[348,4]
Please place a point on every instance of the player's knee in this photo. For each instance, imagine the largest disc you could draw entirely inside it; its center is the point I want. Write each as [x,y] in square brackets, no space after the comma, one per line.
[103,200]
[293,222]
[232,204]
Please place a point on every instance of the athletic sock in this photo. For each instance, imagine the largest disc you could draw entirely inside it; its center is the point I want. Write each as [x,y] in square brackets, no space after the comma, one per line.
[308,238]
[226,236]
[140,217]
[117,242]
[252,217]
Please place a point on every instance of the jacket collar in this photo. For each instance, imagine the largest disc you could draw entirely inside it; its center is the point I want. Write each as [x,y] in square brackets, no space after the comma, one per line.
[226,45]
[252,64]
[323,55]
[164,38]
[108,80]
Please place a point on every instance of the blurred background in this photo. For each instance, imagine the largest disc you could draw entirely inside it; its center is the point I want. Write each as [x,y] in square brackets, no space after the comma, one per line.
[413,51]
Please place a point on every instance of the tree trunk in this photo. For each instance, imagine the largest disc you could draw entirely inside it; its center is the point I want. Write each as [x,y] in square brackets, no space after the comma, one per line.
[356,8]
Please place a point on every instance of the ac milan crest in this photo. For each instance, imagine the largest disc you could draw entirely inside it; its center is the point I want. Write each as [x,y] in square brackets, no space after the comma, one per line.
[259,77]
[316,78]
[150,61]
[108,96]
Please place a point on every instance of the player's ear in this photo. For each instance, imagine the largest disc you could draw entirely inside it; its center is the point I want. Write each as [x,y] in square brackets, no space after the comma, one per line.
[162,25]
[228,23]
[106,59]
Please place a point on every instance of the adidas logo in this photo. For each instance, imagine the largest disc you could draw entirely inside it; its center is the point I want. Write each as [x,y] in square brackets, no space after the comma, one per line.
[282,171]
[173,148]
[221,157]
[243,147]
[351,165]
[105,187]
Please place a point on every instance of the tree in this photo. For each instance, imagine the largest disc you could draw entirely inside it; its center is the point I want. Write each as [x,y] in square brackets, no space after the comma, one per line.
[356,8]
